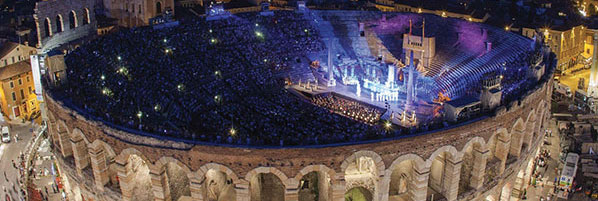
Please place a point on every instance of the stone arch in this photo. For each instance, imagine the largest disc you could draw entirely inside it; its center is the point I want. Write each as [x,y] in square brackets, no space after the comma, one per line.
[404,174]
[445,166]
[48,27]
[474,164]
[158,8]
[64,139]
[530,130]
[59,23]
[315,181]
[266,184]
[101,158]
[79,144]
[363,168]
[134,175]
[53,135]
[86,19]
[498,148]
[73,20]
[517,134]
[217,183]
[169,179]
[359,193]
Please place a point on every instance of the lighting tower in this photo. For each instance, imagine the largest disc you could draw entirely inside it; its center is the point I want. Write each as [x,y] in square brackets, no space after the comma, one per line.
[331,80]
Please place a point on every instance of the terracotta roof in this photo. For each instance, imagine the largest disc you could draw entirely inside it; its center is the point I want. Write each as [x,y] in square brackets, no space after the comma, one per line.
[6,47]
[15,69]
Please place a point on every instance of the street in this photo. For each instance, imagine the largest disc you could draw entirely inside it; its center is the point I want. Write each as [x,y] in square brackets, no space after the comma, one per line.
[8,153]
[572,79]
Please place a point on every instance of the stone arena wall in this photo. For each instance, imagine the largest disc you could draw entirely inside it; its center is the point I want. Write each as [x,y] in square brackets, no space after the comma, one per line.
[51,10]
[476,160]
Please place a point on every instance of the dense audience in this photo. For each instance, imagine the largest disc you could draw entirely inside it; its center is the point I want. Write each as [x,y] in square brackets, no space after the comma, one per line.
[213,81]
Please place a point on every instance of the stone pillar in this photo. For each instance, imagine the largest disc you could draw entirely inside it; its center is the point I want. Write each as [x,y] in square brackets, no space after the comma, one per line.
[338,188]
[99,167]
[384,186]
[124,181]
[65,144]
[242,191]
[160,184]
[501,152]
[478,170]
[291,194]
[80,154]
[516,142]
[452,173]
[418,186]
[195,186]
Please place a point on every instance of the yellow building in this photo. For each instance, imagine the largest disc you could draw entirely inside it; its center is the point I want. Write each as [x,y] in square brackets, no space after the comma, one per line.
[566,43]
[17,92]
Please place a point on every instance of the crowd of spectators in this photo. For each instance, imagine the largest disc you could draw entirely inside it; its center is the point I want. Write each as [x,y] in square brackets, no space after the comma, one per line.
[216,81]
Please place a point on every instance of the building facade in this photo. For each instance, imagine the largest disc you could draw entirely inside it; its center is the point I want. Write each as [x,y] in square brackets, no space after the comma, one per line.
[567,44]
[11,53]
[17,95]
[132,13]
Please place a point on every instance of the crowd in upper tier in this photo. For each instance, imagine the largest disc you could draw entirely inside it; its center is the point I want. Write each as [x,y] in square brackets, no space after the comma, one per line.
[211,81]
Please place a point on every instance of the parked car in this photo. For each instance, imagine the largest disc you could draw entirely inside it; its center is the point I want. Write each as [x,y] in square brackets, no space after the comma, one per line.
[5,134]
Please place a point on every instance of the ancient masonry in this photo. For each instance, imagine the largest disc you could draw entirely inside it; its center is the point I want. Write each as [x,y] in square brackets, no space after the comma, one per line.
[59,22]
[481,160]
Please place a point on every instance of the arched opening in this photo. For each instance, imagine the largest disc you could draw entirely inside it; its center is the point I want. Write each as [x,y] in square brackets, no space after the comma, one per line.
[362,171]
[315,186]
[59,25]
[47,28]
[439,181]
[178,182]
[218,186]
[72,19]
[472,167]
[158,8]
[140,183]
[85,16]
[266,187]
[358,194]
[401,181]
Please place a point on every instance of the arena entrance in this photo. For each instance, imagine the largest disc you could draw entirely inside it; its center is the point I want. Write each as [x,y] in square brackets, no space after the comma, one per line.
[315,186]
[140,183]
[358,194]
[266,187]
[218,187]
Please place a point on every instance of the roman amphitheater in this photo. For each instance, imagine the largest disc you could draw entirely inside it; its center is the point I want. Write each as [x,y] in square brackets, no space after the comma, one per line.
[485,157]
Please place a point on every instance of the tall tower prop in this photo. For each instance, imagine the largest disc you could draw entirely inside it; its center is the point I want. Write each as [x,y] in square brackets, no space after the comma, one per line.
[593,85]
[410,83]
[331,80]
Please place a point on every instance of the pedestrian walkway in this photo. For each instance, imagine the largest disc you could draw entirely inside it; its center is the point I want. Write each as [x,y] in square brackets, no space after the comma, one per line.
[44,177]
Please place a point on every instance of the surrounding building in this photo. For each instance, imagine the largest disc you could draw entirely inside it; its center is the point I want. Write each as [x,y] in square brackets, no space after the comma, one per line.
[11,52]
[567,43]
[132,13]
[17,96]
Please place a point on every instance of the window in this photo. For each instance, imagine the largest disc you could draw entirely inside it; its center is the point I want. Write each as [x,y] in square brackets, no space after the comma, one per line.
[139,8]
[30,91]
[27,78]
[13,60]
[22,94]
[133,8]
[12,84]
[14,97]
[20,81]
